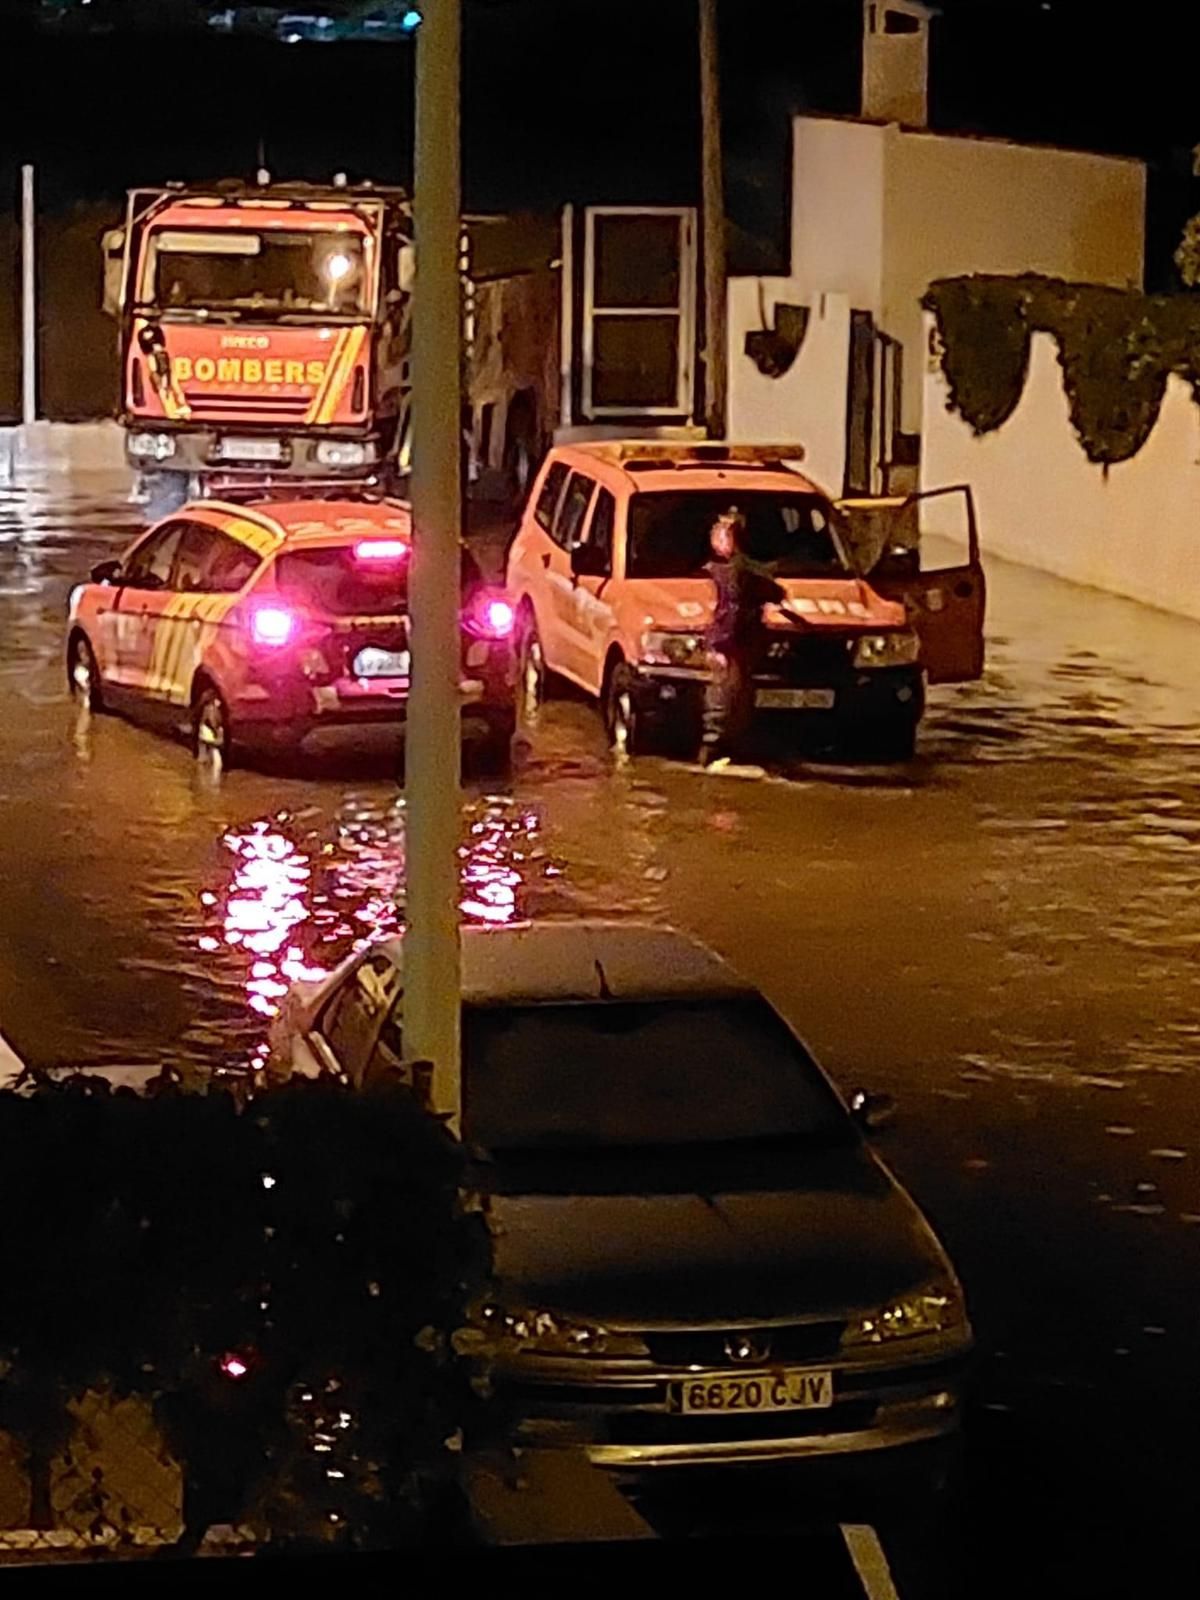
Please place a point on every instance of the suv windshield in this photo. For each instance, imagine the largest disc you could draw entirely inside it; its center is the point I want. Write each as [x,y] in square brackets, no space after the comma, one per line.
[617,1075]
[794,534]
[271,273]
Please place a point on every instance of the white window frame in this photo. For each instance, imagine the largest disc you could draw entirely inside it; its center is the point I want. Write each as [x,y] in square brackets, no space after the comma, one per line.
[685,310]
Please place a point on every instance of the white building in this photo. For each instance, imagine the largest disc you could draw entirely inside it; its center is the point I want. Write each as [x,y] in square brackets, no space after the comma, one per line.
[880,207]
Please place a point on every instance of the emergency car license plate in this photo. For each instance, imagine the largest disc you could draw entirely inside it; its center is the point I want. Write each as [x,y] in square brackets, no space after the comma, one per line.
[250,449]
[795,699]
[787,1390]
[376,663]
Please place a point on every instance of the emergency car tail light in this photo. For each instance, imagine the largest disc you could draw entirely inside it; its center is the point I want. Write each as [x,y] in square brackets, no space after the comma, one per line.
[381,550]
[490,616]
[272,625]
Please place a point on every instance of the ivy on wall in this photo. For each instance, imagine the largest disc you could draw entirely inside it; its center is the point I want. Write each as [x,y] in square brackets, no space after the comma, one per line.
[1116,348]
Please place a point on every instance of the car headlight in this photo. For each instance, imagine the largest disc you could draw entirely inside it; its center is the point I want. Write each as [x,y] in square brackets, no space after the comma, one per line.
[343,453]
[899,648]
[937,1308]
[511,1330]
[153,446]
[666,649]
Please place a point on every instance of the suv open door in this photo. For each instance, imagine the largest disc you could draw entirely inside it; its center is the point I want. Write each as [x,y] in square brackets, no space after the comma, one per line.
[946,603]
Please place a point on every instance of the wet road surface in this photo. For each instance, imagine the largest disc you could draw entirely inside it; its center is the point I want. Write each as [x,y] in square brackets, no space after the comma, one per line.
[1004,934]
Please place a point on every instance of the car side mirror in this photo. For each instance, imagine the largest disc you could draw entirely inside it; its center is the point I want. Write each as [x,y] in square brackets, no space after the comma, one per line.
[106,572]
[872,1112]
[588,562]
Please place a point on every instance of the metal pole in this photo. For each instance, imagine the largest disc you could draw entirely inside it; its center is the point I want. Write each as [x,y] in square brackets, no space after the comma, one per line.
[716,354]
[566,318]
[28,301]
[433,784]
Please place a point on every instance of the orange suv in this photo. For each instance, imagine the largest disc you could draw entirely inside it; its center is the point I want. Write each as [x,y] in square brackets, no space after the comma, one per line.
[607,573]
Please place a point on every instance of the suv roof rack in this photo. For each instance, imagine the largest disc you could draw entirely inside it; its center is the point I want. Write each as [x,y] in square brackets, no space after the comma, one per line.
[640,455]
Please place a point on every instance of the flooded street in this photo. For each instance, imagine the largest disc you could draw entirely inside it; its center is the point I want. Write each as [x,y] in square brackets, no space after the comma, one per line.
[1004,934]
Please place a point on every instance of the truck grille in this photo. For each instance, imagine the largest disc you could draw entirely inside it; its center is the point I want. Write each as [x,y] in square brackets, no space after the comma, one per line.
[801,1341]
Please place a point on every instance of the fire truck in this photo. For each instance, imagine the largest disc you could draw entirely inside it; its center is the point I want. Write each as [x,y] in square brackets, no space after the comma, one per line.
[264,336]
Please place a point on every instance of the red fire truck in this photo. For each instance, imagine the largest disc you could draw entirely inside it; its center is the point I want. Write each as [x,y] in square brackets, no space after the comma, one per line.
[264,335]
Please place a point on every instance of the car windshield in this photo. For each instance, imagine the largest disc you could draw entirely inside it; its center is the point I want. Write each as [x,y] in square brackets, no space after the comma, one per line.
[270,273]
[612,1076]
[670,530]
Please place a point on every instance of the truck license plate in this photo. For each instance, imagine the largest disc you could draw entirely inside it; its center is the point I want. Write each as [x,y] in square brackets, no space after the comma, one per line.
[788,1390]
[795,699]
[250,449]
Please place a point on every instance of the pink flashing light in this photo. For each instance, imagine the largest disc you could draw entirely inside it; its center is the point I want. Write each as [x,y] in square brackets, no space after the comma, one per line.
[233,1366]
[272,625]
[380,550]
[491,617]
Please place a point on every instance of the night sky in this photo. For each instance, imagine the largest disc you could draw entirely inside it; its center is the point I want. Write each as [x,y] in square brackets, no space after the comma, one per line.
[591,99]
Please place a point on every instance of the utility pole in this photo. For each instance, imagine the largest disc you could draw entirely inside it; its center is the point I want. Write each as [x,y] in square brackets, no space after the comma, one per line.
[716,341]
[28,299]
[432,958]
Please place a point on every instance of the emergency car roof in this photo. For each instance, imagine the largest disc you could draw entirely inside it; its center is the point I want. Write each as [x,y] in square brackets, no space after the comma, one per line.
[650,464]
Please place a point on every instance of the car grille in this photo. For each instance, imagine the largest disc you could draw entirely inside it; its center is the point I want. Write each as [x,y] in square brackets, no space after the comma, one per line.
[804,659]
[801,1341]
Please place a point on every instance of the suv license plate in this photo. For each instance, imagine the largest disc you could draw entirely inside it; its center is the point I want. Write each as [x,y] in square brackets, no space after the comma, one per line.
[795,699]
[375,663]
[250,449]
[793,1390]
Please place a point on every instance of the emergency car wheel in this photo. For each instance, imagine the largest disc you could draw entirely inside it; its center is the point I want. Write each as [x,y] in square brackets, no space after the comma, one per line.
[84,675]
[210,727]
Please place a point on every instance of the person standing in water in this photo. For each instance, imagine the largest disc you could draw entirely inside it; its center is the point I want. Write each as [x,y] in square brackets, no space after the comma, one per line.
[735,638]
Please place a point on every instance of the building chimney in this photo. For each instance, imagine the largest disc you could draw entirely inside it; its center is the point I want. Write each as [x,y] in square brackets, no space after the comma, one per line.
[895,75]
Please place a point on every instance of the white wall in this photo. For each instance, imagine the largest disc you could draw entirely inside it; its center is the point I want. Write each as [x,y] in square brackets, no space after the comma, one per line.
[1134,532]
[808,403]
[837,209]
[954,205]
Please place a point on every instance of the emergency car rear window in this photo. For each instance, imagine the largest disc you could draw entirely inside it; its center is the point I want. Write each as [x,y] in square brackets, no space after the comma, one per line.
[670,530]
[336,582]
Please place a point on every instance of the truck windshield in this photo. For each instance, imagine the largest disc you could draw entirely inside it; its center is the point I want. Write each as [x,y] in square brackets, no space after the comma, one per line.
[257,274]
[794,534]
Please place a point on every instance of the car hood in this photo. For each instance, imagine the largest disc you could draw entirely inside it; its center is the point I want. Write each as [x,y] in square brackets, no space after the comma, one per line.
[851,1239]
[838,604]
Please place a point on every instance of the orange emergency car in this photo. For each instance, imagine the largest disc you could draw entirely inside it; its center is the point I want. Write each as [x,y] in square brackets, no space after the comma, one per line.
[607,574]
[263,623]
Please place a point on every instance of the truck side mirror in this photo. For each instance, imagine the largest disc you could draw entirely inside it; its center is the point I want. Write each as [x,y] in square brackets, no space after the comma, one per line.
[113,246]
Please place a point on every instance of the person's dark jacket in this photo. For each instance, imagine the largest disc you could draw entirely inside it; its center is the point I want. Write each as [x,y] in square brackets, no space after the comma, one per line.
[743,589]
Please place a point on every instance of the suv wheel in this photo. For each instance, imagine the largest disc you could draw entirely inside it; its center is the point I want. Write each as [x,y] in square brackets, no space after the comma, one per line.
[532,673]
[626,735]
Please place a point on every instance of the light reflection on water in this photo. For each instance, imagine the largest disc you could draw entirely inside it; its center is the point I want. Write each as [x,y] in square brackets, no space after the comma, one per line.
[296,896]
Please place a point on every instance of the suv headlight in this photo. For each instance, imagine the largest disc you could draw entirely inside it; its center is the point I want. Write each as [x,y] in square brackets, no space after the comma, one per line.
[938,1308]
[665,649]
[899,648]
[511,1330]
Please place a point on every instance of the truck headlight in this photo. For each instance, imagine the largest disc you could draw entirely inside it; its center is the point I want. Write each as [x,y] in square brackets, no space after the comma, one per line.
[152,446]
[937,1308]
[900,648]
[666,649]
[343,453]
